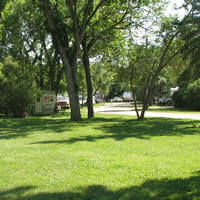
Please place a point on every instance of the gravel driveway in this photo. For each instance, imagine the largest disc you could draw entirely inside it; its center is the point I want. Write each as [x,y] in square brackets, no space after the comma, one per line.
[126,108]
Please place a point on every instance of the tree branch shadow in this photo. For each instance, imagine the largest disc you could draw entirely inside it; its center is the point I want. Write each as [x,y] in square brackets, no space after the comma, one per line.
[120,129]
[11,128]
[164,189]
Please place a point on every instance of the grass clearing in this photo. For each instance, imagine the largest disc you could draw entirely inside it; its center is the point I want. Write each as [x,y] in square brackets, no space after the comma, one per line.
[170,110]
[167,109]
[109,157]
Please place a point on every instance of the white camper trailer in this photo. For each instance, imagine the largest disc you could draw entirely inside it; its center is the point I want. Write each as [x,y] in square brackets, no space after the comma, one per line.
[127,96]
[46,103]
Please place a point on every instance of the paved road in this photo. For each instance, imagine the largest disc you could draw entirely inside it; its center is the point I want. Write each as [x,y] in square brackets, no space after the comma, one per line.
[125,108]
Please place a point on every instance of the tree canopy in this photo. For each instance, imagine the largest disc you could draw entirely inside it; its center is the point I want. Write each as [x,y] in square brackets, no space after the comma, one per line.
[51,39]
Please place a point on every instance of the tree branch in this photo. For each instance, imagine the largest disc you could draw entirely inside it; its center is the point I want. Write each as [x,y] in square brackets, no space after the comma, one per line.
[94,12]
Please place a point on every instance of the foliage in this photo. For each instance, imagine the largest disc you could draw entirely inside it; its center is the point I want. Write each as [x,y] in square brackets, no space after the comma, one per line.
[178,98]
[193,95]
[81,81]
[41,33]
[17,88]
[75,23]
[149,60]
[25,38]
[116,89]
[102,77]
[188,97]
[191,34]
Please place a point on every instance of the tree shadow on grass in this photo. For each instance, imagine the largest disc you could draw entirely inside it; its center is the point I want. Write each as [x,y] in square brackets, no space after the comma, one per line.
[15,193]
[163,189]
[151,127]
[11,128]
[108,127]
[120,129]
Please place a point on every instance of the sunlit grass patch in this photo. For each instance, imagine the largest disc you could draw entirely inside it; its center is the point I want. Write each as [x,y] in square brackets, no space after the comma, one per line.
[108,157]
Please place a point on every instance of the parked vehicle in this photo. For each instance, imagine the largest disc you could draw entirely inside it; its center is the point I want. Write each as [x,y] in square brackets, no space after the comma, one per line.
[63,102]
[127,96]
[98,97]
[116,99]
[168,100]
[83,101]
[165,101]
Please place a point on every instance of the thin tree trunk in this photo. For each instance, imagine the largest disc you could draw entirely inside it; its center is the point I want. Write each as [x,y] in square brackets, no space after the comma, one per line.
[144,108]
[135,103]
[148,96]
[133,93]
[86,64]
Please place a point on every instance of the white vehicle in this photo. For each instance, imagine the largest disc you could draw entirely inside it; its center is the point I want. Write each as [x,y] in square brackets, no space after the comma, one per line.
[116,99]
[98,97]
[168,100]
[165,101]
[128,96]
[83,101]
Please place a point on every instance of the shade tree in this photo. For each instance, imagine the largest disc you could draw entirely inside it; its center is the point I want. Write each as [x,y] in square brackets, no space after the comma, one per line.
[191,34]
[71,22]
[26,38]
[67,22]
[147,60]
[109,28]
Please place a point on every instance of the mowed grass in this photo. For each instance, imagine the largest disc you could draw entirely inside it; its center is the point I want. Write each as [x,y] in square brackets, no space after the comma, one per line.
[106,158]
[170,109]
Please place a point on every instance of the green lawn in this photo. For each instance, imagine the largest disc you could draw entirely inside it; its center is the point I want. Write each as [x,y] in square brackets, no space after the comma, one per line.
[170,109]
[106,158]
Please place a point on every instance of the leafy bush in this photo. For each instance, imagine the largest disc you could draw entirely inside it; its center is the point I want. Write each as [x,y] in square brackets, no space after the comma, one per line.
[188,97]
[192,97]
[17,89]
[178,98]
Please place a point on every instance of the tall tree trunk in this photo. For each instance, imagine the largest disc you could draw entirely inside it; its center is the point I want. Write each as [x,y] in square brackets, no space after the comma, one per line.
[69,68]
[89,85]
[73,94]
[86,64]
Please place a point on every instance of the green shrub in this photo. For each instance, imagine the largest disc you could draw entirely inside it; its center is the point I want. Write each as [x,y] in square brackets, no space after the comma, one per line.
[178,98]
[188,97]
[16,88]
[192,97]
